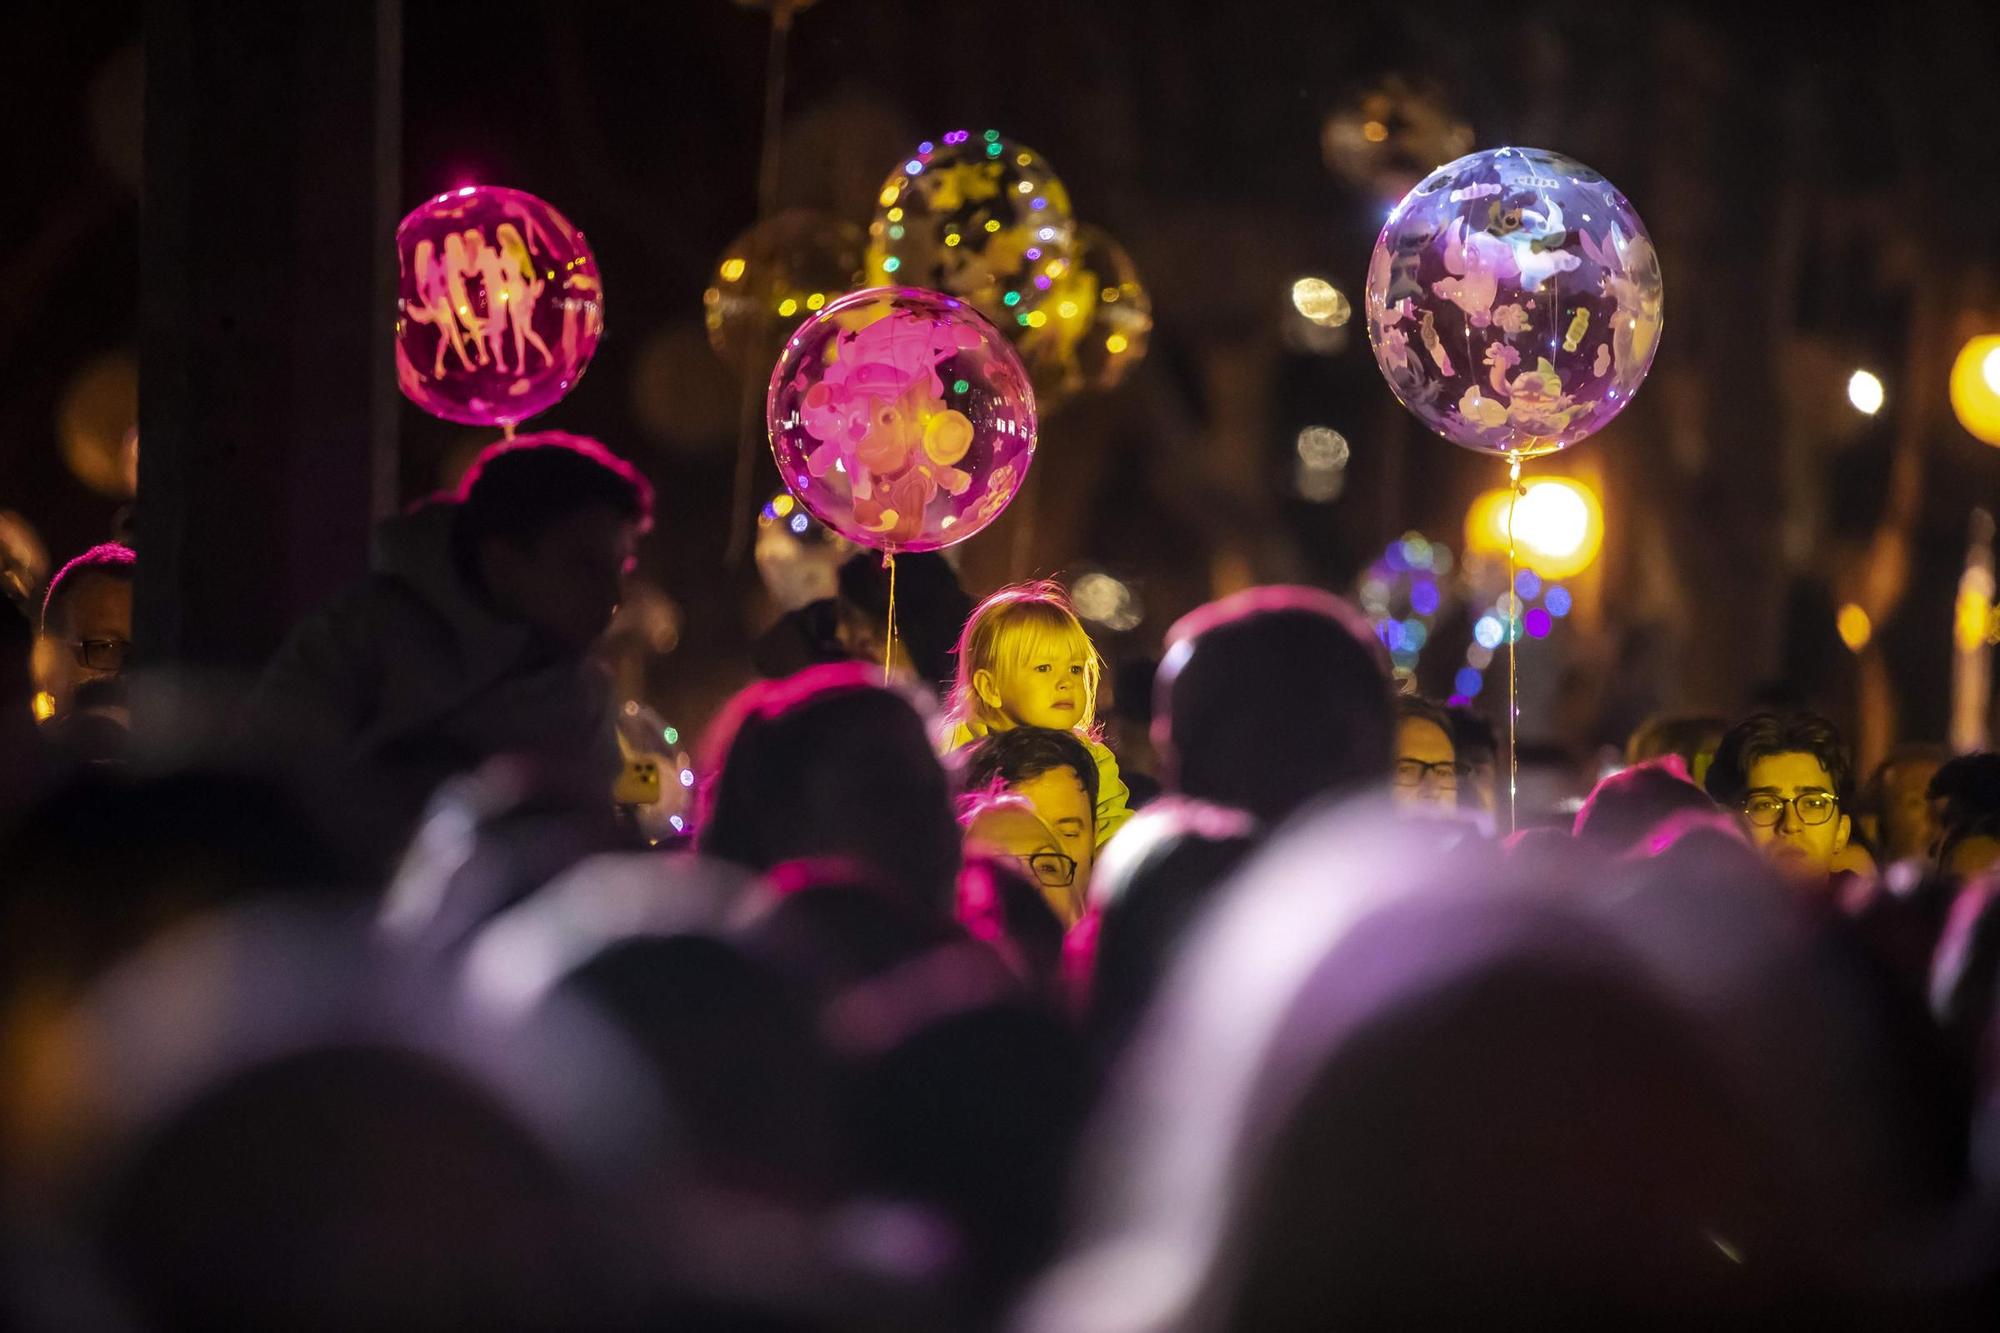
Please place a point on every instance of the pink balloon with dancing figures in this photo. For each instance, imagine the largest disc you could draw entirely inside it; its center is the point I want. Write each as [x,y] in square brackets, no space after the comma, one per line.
[499,306]
[901,419]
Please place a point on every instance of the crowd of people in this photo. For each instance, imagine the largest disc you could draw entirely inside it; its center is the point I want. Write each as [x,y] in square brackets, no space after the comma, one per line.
[954,1007]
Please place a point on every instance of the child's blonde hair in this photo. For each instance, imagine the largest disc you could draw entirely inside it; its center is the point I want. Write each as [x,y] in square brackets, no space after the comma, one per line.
[1007,629]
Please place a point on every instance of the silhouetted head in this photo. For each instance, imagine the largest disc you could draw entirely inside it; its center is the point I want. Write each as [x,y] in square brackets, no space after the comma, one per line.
[1271,697]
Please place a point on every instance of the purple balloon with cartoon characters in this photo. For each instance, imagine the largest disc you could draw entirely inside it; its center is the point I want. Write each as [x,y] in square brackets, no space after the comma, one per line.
[1514,302]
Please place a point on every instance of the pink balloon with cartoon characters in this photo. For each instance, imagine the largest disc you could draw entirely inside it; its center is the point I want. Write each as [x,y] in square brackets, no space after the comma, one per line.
[901,419]
[1514,302]
[498,306]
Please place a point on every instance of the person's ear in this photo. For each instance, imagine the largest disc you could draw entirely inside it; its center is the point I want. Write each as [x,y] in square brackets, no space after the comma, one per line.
[986,688]
[1846,829]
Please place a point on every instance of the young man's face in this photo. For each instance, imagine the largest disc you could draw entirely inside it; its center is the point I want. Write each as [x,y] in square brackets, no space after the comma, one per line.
[1787,793]
[1022,836]
[89,637]
[1425,776]
[1059,798]
[569,580]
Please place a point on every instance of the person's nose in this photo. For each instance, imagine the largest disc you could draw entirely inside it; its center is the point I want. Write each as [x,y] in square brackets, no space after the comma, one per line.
[1788,818]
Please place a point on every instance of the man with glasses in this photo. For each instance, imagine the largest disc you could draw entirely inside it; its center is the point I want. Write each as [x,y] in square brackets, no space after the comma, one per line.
[1007,826]
[86,638]
[1427,765]
[1052,771]
[1786,775]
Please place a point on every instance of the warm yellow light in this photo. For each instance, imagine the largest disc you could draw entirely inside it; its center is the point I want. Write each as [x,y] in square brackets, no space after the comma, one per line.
[888,195]
[1067,310]
[894,215]
[993,224]
[1116,343]
[781,505]
[1973,615]
[1854,626]
[951,238]
[1036,319]
[816,300]
[1864,390]
[1321,302]
[44,705]
[1375,131]
[732,269]
[1975,388]
[1558,526]
[788,307]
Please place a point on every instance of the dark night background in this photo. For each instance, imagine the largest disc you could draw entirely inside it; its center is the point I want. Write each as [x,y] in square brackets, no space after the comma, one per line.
[1823,194]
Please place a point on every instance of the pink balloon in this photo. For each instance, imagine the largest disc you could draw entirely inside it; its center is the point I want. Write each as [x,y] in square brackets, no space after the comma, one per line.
[498,308]
[901,419]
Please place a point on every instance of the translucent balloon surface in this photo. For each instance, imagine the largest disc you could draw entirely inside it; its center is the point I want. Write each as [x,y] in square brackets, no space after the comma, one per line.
[976,216]
[1093,326]
[901,419]
[1514,302]
[779,272]
[499,307]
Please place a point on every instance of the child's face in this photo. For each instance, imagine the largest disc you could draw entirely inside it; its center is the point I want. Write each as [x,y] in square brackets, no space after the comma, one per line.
[1047,689]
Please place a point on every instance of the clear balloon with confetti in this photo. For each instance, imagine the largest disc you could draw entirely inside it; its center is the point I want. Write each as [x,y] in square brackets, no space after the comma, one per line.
[779,272]
[1093,326]
[901,419]
[976,216]
[1514,302]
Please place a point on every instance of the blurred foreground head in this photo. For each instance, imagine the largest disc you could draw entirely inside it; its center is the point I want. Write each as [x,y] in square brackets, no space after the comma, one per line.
[829,763]
[1271,697]
[1385,1088]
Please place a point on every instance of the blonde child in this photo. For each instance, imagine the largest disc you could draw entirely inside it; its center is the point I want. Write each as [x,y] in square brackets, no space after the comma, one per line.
[1024,660]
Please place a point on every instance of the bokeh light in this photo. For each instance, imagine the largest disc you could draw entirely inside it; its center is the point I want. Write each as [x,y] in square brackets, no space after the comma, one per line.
[1864,391]
[1975,388]
[1107,601]
[1321,302]
[1558,526]
[1854,627]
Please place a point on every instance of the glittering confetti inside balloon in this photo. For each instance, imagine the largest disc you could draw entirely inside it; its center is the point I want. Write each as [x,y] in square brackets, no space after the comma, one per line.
[1514,302]
[901,419]
[781,271]
[499,307]
[1093,326]
[976,216]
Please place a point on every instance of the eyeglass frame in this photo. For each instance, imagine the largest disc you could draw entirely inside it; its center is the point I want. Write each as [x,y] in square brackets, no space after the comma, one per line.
[1068,868]
[1451,768]
[1792,802]
[82,649]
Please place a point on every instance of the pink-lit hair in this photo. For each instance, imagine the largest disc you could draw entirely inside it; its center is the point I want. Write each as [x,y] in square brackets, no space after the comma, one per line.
[111,559]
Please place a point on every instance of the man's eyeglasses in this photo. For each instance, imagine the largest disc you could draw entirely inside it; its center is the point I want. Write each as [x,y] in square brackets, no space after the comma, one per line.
[1412,772]
[102,654]
[1812,808]
[1052,870]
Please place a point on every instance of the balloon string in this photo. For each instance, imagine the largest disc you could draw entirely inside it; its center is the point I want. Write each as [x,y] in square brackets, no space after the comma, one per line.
[1513,637]
[889,638]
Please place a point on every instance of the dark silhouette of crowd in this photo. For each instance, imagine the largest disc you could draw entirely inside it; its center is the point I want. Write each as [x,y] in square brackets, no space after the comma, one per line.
[950,1008]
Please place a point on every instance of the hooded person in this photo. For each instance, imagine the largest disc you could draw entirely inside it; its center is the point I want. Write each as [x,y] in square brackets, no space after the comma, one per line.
[471,637]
